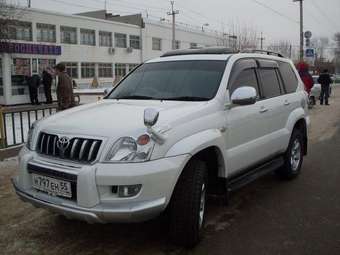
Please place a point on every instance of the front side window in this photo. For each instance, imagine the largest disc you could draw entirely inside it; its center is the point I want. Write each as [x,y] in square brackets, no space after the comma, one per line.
[72,69]
[270,83]
[68,35]
[87,70]
[135,42]
[46,33]
[120,40]
[87,37]
[105,39]
[173,80]
[105,70]
[245,78]
[19,30]
[289,77]
[156,44]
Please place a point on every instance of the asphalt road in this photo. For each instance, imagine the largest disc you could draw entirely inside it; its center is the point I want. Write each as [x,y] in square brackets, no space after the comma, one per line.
[269,216]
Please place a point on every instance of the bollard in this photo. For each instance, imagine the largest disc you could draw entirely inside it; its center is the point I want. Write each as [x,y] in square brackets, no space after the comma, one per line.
[2,129]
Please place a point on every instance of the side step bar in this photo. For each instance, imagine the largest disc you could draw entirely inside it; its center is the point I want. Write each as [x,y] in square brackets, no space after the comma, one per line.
[250,176]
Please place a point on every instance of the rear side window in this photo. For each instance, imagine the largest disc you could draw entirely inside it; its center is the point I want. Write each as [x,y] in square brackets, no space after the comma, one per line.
[245,78]
[289,77]
[270,83]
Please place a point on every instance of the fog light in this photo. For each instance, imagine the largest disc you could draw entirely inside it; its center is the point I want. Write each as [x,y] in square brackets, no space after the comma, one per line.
[129,190]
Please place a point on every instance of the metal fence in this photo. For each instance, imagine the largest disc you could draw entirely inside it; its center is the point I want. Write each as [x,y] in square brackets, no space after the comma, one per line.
[16,121]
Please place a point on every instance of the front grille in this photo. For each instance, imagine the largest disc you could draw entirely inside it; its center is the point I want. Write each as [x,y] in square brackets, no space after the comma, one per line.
[78,149]
[57,175]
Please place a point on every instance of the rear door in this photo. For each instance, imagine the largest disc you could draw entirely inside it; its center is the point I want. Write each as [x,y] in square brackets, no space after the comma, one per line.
[276,106]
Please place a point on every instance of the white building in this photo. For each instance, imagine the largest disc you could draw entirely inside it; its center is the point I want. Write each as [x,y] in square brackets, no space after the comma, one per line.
[94,44]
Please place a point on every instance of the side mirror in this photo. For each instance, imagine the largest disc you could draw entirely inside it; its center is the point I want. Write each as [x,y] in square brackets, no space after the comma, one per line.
[244,96]
[150,117]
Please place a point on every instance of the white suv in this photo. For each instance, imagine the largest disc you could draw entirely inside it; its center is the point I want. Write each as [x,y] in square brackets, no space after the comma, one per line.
[175,129]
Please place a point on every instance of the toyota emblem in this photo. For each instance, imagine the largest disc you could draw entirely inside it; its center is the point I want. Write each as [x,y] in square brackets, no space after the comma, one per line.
[62,144]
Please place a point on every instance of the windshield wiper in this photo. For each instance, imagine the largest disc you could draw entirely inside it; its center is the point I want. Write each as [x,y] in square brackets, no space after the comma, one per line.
[186,98]
[140,97]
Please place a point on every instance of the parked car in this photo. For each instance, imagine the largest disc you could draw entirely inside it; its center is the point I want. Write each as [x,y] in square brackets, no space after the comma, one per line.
[177,128]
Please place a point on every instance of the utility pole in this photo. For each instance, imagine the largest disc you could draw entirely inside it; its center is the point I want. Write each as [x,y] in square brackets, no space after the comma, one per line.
[262,39]
[29,3]
[173,13]
[301,28]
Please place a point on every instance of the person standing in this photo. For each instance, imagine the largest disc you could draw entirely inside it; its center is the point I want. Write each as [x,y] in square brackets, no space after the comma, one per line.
[64,88]
[306,77]
[325,80]
[33,85]
[47,79]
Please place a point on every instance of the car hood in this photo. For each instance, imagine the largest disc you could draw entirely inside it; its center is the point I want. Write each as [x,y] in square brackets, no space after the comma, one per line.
[113,118]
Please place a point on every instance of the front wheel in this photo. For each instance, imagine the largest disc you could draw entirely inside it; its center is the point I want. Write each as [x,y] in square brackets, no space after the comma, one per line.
[293,157]
[187,205]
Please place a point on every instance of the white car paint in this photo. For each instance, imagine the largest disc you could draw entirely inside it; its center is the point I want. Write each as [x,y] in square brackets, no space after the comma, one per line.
[243,135]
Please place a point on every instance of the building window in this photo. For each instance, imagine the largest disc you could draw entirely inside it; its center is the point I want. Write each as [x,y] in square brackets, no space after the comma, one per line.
[72,69]
[87,70]
[68,35]
[120,71]
[132,66]
[87,37]
[177,45]
[193,45]
[46,33]
[135,42]
[105,70]
[156,43]
[19,30]
[105,39]
[120,40]
[21,69]
[44,63]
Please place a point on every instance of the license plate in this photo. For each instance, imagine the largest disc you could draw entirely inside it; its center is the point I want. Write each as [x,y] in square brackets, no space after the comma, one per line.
[54,187]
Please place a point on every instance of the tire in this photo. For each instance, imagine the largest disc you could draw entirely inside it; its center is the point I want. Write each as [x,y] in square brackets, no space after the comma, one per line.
[293,157]
[187,205]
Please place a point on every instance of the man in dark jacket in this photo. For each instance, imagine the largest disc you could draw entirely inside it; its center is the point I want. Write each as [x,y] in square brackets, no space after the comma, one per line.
[33,85]
[64,88]
[47,82]
[325,80]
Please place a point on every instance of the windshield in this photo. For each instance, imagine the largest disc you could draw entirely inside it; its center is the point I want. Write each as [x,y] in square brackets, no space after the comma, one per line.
[176,80]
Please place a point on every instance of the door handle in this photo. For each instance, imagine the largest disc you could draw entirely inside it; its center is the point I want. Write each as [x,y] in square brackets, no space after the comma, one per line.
[286,102]
[263,109]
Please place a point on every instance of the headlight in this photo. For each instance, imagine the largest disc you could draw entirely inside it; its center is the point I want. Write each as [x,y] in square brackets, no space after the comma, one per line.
[30,133]
[128,149]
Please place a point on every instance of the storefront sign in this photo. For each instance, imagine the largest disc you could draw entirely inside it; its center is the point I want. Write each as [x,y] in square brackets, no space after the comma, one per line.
[27,48]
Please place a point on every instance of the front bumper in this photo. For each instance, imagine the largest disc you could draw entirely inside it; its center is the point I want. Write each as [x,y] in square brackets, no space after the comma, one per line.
[94,202]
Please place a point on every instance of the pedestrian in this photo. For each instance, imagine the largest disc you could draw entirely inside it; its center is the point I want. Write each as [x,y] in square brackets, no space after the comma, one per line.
[306,77]
[47,79]
[33,86]
[64,88]
[325,80]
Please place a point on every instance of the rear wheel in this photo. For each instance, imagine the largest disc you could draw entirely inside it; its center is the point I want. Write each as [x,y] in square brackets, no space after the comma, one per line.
[293,157]
[188,204]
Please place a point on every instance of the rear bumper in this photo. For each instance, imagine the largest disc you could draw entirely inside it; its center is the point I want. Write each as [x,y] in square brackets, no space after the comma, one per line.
[136,212]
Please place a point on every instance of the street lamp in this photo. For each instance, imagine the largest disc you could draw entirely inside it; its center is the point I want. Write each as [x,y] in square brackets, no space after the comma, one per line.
[204,25]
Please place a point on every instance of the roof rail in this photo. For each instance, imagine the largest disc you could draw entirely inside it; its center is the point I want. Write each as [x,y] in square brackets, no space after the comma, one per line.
[208,50]
[272,53]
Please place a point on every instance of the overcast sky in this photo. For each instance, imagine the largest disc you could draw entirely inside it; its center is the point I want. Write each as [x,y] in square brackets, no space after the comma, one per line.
[277,19]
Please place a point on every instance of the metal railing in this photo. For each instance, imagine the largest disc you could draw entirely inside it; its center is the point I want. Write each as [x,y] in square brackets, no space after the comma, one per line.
[16,121]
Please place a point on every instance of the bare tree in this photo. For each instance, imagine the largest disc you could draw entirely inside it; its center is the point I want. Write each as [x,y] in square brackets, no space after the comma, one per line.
[243,37]
[337,53]
[283,47]
[9,14]
[320,44]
